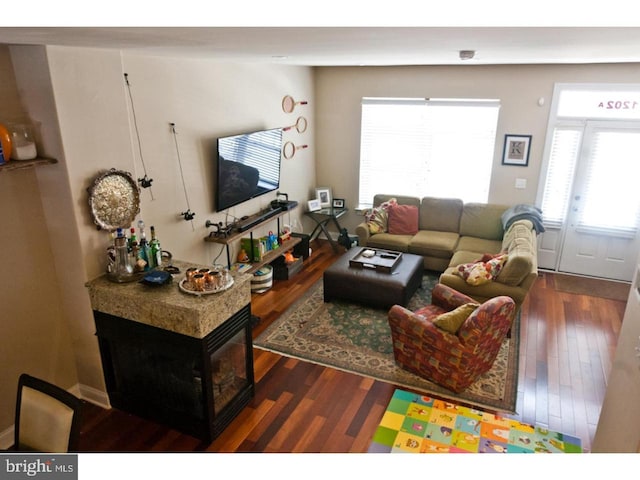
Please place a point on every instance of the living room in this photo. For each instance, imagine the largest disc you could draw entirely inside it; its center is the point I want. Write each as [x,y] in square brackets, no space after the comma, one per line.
[79,97]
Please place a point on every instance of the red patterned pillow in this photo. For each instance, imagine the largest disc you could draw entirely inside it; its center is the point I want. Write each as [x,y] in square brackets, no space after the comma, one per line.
[403,219]
[478,273]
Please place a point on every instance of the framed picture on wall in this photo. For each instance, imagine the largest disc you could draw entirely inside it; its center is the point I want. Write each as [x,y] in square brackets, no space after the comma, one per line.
[516,150]
[324,195]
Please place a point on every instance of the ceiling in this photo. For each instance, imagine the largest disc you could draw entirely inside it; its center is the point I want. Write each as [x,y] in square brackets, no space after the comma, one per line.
[340,46]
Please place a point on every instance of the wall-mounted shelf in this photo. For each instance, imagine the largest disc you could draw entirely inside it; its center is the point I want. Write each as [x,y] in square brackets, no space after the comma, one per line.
[22,164]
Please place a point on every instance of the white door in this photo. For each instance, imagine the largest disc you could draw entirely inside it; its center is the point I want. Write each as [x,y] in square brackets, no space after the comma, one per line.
[601,237]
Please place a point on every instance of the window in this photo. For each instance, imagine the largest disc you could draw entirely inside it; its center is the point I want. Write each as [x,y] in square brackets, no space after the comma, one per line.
[427,147]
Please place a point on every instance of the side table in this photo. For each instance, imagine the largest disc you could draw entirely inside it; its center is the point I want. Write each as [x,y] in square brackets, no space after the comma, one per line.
[322,218]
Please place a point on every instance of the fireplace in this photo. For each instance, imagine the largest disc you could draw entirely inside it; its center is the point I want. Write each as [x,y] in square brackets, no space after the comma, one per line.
[195,385]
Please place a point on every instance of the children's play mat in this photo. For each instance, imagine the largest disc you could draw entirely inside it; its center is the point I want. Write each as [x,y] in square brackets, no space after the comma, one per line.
[420,424]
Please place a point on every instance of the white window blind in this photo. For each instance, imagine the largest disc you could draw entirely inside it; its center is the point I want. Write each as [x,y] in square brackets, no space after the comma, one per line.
[610,202]
[420,147]
[565,148]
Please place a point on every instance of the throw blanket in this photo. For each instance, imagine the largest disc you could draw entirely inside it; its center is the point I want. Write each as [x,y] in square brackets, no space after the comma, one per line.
[523,212]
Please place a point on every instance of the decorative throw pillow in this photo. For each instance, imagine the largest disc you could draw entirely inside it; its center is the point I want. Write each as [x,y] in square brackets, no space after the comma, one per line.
[479,273]
[403,219]
[453,320]
[377,219]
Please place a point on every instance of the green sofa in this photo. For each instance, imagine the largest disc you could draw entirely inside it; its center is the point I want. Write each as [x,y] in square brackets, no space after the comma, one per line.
[452,233]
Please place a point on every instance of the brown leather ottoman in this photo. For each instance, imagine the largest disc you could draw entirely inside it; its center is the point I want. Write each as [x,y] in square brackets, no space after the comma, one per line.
[370,287]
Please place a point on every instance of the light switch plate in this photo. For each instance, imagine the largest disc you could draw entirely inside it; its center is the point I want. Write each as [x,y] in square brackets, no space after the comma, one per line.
[521,183]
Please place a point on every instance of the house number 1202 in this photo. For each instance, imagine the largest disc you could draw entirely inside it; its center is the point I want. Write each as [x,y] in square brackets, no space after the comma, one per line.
[619,105]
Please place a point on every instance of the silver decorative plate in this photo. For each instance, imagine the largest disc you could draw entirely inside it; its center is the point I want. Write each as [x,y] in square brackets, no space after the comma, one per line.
[114,199]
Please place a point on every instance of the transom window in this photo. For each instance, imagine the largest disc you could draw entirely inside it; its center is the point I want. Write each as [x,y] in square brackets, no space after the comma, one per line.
[427,147]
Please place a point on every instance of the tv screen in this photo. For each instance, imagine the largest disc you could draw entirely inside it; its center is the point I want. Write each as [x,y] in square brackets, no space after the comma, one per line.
[248,166]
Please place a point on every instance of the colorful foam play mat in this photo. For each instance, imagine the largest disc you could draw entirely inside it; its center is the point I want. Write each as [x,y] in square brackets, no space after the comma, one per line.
[418,424]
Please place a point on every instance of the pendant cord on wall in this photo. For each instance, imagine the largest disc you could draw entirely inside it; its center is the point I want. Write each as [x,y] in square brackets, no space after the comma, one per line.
[146,181]
[188,215]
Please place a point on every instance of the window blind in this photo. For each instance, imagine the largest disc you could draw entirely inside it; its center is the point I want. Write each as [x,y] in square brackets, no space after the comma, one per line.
[427,147]
[610,202]
[565,148]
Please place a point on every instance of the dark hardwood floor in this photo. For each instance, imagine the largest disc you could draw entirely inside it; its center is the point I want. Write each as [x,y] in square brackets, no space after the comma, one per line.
[567,346]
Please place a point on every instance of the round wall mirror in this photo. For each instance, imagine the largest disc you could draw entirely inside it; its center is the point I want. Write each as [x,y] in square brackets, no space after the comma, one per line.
[114,199]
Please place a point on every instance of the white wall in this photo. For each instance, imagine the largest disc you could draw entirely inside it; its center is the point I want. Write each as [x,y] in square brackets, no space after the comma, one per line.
[339,91]
[204,100]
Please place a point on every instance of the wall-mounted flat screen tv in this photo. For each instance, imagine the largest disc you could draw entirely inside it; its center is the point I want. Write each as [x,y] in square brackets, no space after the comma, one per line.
[248,166]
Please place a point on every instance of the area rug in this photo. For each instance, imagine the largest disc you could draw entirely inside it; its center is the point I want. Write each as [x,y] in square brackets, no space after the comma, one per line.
[357,339]
[419,424]
[592,286]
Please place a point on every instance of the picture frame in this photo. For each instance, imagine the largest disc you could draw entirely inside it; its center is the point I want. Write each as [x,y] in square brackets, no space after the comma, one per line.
[337,203]
[516,150]
[323,194]
[314,205]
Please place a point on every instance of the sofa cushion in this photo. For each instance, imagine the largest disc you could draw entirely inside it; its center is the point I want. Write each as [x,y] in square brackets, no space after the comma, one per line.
[482,293]
[403,219]
[440,214]
[479,245]
[434,244]
[399,243]
[519,229]
[519,264]
[453,320]
[400,199]
[482,220]
[463,256]
[478,273]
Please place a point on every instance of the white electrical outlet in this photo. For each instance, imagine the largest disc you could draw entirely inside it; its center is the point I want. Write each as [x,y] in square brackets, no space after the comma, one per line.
[521,183]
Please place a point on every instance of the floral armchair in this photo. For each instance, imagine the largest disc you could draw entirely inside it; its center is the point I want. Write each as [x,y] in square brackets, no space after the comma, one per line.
[453,359]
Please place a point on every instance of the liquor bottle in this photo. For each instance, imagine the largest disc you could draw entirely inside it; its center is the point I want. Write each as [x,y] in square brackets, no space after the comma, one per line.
[144,257]
[132,241]
[132,245]
[156,251]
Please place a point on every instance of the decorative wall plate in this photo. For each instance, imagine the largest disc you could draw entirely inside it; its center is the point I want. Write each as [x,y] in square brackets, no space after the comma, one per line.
[114,199]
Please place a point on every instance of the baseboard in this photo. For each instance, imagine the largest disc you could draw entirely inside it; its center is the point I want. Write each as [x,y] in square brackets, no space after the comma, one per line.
[92,395]
[6,438]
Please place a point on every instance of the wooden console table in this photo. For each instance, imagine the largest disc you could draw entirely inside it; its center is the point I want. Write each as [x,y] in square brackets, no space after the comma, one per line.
[175,358]
[269,256]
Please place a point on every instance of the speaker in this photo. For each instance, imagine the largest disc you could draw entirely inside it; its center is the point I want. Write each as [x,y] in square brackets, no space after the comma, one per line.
[302,248]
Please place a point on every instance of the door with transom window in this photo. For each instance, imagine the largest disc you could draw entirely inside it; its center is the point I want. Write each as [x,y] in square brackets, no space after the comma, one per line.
[591,196]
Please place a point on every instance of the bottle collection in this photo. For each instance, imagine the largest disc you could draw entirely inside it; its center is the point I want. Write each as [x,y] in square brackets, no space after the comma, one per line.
[128,256]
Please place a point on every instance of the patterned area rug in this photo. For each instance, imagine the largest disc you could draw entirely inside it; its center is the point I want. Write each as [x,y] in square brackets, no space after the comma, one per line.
[419,424]
[357,339]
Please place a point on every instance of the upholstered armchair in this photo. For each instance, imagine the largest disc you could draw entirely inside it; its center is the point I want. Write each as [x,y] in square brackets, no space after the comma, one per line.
[453,359]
